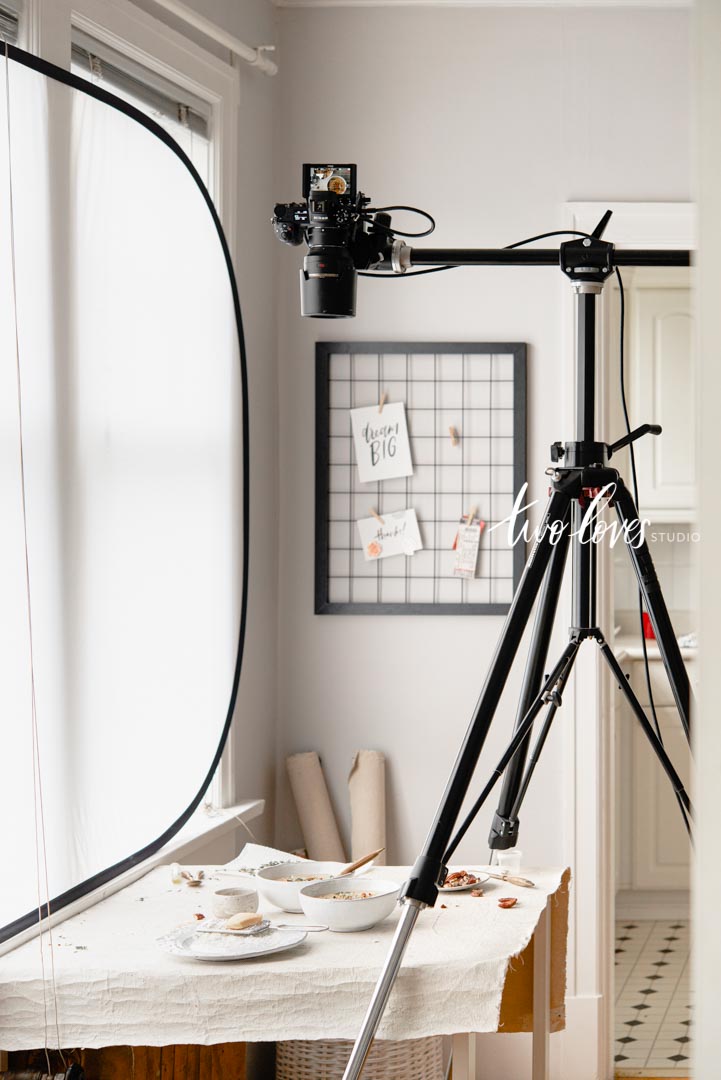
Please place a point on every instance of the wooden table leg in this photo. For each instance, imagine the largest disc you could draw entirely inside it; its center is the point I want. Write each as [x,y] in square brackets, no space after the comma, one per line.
[464,1057]
[541,996]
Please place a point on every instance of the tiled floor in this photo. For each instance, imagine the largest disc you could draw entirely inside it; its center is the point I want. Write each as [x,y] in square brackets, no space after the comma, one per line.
[653,998]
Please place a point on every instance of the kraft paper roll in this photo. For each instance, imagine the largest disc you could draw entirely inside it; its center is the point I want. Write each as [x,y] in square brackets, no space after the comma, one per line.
[317,820]
[367,785]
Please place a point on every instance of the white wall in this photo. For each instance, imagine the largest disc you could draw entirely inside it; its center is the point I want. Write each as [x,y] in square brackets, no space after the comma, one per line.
[492,119]
[707,737]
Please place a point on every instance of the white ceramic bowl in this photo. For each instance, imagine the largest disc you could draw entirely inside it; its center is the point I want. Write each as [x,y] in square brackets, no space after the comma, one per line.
[345,916]
[284,894]
[228,902]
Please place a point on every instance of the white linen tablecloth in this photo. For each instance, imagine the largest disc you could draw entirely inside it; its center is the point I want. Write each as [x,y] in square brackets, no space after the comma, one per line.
[116,987]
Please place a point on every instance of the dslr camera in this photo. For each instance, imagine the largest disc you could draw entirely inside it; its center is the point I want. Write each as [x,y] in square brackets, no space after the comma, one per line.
[343,236]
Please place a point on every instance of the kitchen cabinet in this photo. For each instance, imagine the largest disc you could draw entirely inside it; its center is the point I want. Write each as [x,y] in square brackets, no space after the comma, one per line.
[655,851]
[662,364]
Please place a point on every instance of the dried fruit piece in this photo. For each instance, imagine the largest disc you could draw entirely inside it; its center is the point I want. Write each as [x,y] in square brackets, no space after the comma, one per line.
[476,892]
[458,879]
[507,901]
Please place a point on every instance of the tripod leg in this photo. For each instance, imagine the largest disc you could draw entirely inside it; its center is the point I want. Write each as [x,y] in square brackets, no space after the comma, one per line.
[648,731]
[504,829]
[655,603]
[412,908]
[430,864]
[421,889]
[551,693]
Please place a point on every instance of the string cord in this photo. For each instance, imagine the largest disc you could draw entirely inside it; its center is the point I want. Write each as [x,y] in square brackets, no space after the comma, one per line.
[38,803]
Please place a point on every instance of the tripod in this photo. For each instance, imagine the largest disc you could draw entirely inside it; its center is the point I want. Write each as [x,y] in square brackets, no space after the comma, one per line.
[580,479]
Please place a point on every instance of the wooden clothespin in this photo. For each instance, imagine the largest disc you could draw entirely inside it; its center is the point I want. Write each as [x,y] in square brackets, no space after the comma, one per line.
[377,516]
[381,403]
[454,435]
[469,519]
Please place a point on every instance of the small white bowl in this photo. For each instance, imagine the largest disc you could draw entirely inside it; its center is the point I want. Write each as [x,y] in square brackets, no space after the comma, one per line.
[285,894]
[345,916]
[228,902]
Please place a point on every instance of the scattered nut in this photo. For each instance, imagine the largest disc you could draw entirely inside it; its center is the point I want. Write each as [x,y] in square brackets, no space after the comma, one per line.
[476,892]
[198,916]
[507,901]
[444,906]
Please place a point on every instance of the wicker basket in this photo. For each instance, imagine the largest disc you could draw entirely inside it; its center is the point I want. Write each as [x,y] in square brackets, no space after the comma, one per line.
[325,1059]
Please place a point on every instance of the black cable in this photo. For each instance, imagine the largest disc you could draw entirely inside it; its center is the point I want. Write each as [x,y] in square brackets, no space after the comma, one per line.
[634,480]
[366,215]
[439,269]
[544,235]
[414,273]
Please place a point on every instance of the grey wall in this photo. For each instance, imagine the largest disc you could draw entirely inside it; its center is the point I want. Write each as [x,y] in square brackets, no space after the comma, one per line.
[492,119]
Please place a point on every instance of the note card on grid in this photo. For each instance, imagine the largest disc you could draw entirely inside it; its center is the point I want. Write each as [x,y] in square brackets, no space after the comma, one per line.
[382,448]
[393,534]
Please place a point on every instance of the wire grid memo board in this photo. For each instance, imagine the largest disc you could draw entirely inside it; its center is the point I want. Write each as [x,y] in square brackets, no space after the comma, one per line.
[480,390]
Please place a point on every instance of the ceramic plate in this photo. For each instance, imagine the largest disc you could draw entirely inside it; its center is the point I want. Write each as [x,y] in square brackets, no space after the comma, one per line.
[480,878]
[214,947]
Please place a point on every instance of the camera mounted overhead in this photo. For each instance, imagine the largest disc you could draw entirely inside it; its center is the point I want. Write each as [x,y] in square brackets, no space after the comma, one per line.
[332,223]
[344,235]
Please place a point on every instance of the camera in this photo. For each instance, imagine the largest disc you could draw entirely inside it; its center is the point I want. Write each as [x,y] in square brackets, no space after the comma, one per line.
[342,234]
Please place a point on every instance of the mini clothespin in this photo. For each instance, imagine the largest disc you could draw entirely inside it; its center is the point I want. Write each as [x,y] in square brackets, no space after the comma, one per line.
[469,519]
[377,516]
[381,403]
[454,435]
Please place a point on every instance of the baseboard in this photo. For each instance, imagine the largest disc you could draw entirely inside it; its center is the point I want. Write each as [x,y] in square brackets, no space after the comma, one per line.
[652,904]
[578,1053]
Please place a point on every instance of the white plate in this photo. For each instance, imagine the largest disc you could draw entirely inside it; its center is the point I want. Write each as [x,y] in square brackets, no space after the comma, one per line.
[189,943]
[480,878]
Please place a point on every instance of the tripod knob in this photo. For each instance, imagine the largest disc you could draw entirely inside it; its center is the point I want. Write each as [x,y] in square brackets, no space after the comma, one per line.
[557,451]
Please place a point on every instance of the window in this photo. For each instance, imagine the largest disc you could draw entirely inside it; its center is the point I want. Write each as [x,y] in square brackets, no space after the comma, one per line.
[131,408]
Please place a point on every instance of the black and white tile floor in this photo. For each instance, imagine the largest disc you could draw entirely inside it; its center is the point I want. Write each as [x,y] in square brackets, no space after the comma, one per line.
[653,998]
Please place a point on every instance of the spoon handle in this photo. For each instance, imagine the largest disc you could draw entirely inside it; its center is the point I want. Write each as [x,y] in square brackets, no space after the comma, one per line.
[360,862]
[525,883]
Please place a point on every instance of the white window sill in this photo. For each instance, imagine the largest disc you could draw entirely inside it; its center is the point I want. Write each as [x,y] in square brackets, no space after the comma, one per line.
[202,827]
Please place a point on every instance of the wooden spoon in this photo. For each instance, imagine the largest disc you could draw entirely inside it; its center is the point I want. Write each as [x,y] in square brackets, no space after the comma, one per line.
[360,862]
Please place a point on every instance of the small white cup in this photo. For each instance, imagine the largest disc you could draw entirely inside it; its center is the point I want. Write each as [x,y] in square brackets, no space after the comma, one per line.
[228,902]
[509,861]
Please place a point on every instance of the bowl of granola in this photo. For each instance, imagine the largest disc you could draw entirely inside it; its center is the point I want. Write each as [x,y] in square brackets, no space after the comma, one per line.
[349,903]
[281,884]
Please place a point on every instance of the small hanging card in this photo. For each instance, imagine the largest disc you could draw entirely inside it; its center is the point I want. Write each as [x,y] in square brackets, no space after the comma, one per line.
[466,545]
[398,535]
[382,448]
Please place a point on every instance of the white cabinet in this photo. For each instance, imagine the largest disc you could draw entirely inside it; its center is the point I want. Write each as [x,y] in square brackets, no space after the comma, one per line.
[663,391]
[654,848]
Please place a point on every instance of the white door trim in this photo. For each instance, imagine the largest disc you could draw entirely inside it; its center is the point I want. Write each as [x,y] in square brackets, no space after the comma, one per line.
[591,816]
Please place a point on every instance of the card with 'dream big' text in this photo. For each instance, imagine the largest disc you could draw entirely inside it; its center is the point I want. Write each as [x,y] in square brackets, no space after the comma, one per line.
[381,442]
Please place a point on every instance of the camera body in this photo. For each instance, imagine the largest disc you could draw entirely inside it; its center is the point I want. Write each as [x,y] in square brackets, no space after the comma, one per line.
[333,223]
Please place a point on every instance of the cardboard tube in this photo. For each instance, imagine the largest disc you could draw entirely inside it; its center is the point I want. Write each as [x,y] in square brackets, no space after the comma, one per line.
[317,820]
[367,785]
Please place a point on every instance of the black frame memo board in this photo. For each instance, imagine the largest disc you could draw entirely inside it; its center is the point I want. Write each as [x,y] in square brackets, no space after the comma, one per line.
[480,390]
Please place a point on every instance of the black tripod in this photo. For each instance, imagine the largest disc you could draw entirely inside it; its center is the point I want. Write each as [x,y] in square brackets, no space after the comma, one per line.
[581,478]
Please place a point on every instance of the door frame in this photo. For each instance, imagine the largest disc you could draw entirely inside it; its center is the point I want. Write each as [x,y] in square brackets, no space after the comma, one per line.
[590,803]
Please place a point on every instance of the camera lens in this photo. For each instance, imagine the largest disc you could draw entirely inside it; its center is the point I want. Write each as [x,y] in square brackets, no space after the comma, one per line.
[328,285]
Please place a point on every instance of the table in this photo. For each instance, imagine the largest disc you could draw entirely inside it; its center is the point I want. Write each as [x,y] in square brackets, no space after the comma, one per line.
[470,967]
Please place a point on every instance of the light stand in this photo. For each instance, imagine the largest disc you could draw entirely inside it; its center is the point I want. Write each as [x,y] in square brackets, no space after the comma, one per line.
[581,470]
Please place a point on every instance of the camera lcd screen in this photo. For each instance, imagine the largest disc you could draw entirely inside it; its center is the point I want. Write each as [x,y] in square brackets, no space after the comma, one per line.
[337,179]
